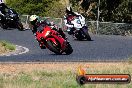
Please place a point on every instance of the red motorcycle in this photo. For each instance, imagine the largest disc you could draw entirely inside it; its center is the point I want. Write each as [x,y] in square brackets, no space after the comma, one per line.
[53,40]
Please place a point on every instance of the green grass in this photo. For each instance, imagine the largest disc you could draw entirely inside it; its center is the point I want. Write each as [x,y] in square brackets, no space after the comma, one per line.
[55,79]
[7,45]
[129,60]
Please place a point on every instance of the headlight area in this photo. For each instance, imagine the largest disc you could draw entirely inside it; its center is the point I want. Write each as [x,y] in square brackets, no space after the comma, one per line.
[78,21]
[12,15]
[47,33]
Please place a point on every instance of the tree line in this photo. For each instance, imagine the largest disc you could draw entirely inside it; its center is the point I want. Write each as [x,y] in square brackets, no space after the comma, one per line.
[110,10]
[48,8]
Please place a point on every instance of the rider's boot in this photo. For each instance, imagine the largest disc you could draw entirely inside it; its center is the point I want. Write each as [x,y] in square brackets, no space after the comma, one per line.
[41,45]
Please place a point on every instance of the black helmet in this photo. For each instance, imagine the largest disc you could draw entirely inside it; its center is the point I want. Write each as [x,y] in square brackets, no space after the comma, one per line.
[69,10]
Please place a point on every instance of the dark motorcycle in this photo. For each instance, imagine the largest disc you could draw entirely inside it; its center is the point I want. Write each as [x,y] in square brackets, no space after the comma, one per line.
[11,20]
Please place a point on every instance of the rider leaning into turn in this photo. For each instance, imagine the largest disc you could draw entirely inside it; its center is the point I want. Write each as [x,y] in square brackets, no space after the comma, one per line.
[68,17]
[36,21]
[2,10]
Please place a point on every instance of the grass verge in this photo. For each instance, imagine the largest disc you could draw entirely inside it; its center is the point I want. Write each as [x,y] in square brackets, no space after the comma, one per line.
[58,75]
[6,47]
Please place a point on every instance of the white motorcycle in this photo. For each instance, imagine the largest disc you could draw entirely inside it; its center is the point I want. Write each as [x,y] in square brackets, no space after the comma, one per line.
[80,29]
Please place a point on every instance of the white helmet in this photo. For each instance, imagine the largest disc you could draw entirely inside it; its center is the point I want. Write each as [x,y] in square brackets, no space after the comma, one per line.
[33,17]
[52,23]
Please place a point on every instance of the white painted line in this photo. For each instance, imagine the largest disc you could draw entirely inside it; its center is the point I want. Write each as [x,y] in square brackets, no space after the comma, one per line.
[17,51]
[26,50]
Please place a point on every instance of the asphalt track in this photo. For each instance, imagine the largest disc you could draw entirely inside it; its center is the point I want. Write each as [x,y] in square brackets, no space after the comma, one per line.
[102,48]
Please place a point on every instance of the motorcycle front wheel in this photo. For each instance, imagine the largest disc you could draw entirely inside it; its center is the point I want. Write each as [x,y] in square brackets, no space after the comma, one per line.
[52,47]
[87,36]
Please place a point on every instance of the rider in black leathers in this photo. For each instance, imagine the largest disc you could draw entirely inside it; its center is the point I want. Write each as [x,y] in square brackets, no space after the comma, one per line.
[3,12]
[36,23]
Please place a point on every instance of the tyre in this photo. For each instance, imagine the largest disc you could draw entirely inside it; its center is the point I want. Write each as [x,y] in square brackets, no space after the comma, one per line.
[20,26]
[87,36]
[78,35]
[1,25]
[69,49]
[4,26]
[52,47]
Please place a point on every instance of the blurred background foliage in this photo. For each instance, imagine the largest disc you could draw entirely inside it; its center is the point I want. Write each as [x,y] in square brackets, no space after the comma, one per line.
[110,10]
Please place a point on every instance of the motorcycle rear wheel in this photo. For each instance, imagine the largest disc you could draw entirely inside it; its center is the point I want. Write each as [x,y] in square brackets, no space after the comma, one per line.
[20,26]
[52,47]
[79,36]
